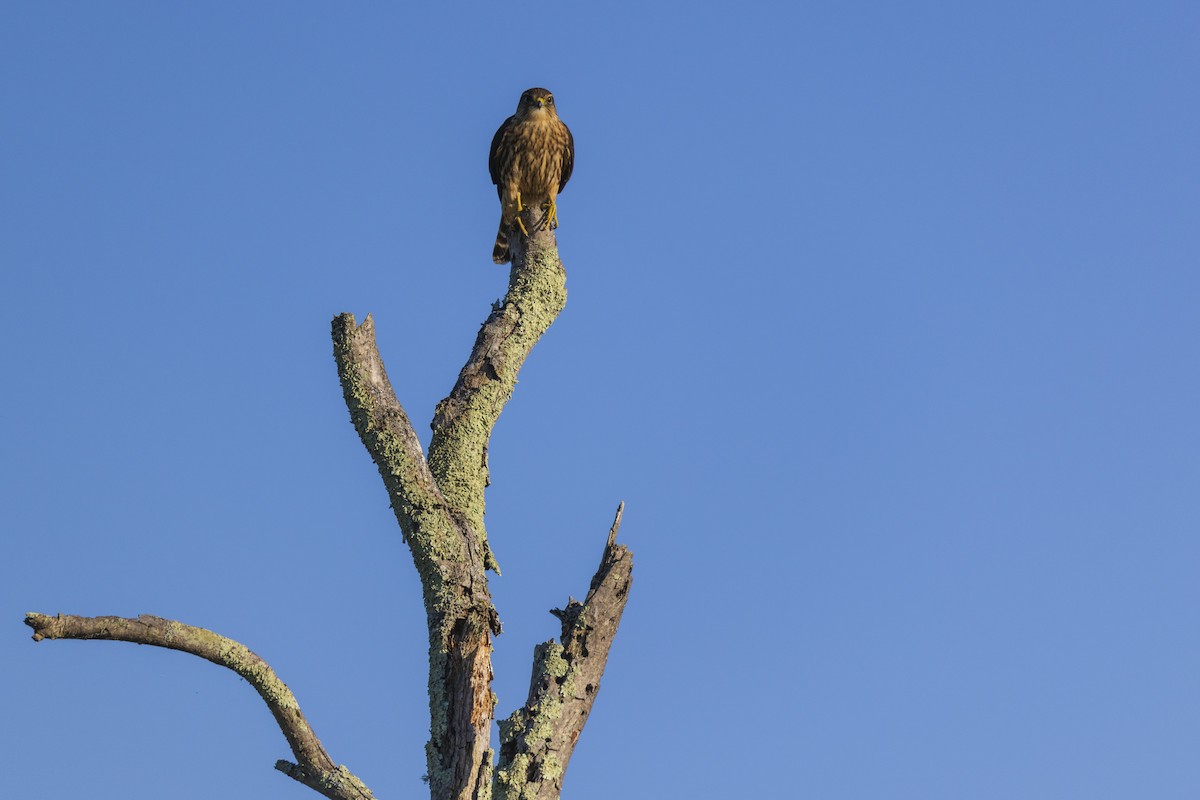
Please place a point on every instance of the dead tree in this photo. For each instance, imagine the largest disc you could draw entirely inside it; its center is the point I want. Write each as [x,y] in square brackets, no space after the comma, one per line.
[439,503]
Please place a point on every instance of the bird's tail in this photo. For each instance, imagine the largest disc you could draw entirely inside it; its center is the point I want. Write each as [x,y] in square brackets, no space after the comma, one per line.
[500,252]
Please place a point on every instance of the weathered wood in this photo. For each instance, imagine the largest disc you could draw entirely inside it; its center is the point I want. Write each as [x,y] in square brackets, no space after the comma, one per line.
[463,422]
[458,606]
[314,768]
[537,740]
[439,502]
[439,505]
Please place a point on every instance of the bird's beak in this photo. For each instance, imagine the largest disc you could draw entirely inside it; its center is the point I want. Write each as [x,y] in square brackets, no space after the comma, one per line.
[541,101]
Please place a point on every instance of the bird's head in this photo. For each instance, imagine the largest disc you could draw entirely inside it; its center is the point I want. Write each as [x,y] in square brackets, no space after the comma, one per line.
[536,103]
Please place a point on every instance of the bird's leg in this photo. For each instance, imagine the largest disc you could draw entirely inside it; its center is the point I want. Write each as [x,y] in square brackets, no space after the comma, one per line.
[550,207]
[520,208]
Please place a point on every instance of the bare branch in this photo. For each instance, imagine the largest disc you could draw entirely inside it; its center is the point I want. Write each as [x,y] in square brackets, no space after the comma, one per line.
[439,504]
[537,740]
[338,783]
[446,551]
[386,431]
[440,508]
[464,420]
[314,768]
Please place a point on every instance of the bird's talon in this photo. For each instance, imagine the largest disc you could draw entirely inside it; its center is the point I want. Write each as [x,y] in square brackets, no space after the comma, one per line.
[521,225]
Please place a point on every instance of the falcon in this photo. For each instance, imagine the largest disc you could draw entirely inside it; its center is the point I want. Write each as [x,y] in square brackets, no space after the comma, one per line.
[531,160]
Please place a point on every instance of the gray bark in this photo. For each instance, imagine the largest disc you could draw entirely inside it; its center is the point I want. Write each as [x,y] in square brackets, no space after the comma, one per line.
[537,741]
[439,504]
[314,768]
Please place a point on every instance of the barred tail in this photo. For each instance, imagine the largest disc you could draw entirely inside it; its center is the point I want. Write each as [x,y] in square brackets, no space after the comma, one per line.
[500,252]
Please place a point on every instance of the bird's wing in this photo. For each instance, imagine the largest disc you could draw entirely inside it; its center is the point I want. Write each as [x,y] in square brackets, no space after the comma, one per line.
[493,154]
[568,163]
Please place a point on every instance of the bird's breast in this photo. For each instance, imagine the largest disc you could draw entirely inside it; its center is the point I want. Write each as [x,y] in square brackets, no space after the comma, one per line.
[537,157]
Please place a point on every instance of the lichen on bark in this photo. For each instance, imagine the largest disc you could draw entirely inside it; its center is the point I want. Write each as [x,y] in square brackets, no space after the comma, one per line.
[463,421]
[439,504]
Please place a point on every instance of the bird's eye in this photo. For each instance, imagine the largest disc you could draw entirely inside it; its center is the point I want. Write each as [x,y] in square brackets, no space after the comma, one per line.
[550,100]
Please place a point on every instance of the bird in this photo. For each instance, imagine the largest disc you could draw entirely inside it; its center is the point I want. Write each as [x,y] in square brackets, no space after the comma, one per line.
[532,156]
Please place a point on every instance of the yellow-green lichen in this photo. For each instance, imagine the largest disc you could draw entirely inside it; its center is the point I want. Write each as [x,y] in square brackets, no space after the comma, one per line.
[536,296]
[550,767]
[516,773]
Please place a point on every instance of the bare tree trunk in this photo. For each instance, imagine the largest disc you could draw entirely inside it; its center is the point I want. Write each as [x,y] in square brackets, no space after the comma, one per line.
[439,504]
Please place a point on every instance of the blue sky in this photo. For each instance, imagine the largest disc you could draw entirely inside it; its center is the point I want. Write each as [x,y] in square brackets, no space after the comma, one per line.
[882,320]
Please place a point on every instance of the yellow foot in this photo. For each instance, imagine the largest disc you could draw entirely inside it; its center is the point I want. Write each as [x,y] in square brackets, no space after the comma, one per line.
[551,210]
[520,208]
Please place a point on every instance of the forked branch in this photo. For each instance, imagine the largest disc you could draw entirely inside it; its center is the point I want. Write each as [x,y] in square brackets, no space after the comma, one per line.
[439,505]
[439,502]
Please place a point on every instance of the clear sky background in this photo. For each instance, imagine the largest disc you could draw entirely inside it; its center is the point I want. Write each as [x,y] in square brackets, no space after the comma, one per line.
[882,319]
